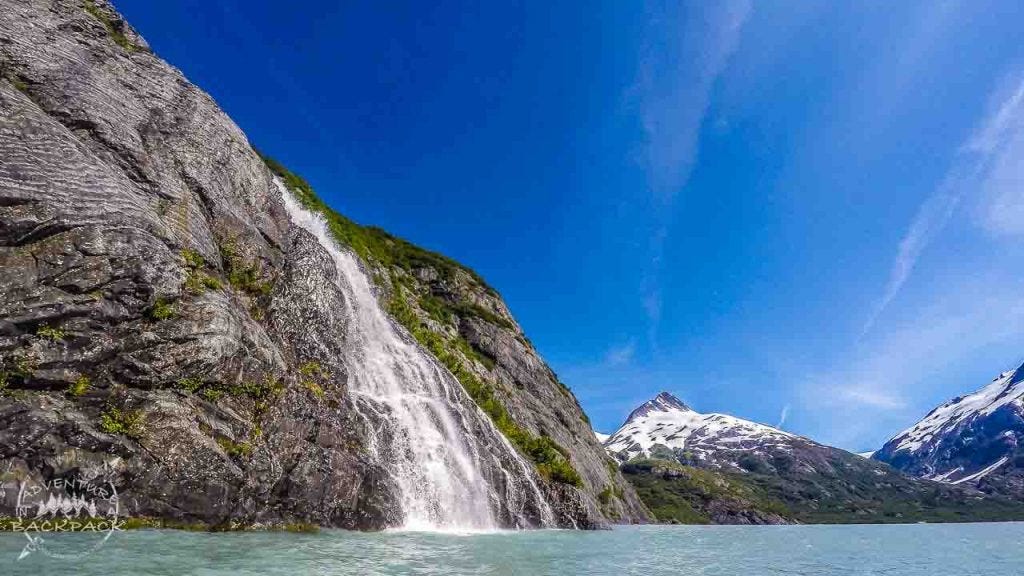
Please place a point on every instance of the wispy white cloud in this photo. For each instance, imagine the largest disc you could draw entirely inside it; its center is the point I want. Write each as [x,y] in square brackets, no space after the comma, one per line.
[652,303]
[893,378]
[931,218]
[994,153]
[620,355]
[1002,191]
[1004,118]
[783,416]
[1003,209]
[687,47]
[684,55]
[872,397]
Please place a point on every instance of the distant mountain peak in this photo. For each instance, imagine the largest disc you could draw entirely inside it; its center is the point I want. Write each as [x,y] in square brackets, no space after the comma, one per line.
[968,438]
[665,421]
[670,400]
[663,402]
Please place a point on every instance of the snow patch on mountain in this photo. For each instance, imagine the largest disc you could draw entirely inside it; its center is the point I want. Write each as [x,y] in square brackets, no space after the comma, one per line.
[985,472]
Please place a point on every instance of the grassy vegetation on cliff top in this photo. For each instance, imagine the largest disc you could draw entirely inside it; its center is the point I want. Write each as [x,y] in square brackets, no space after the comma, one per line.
[115,27]
[371,242]
[375,246]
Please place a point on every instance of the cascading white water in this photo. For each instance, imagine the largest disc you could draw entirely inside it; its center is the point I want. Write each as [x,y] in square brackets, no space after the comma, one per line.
[430,454]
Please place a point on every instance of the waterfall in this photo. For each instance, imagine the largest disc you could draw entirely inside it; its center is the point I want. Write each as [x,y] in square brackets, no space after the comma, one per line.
[430,451]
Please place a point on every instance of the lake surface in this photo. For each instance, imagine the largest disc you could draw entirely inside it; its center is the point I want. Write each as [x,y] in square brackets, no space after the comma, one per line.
[911,550]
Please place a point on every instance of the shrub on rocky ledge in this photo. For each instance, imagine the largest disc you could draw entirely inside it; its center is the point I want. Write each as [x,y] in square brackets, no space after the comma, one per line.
[197,280]
[54,334]
[80,386]
[131,423]
[235,449]
[161,310]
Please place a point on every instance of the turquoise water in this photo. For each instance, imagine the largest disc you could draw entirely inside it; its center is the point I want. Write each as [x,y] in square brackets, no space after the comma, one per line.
[909,550]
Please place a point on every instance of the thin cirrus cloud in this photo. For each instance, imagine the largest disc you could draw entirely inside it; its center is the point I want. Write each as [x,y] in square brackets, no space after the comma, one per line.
[909,360]
[872,397]
[992,158]
[687,47]
[1003,187]
[783,416]
[955,320]
[683,56]
[620,355]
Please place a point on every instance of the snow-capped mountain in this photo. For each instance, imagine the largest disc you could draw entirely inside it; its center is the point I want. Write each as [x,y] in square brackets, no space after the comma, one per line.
[732,470]
[973,439]
[665,423]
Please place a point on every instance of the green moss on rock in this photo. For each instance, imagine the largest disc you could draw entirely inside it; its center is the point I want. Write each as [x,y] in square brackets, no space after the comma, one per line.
[114,27]
[311,375]
[189,384]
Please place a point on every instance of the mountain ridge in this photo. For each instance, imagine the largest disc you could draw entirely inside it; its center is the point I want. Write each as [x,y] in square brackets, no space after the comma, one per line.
[973,439]
[666,421]
[714,468]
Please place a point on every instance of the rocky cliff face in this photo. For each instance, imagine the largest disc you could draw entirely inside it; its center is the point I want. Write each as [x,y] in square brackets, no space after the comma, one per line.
[973,440]
[164,320]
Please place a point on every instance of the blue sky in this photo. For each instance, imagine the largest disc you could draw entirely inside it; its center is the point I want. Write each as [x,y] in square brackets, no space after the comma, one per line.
[804,213]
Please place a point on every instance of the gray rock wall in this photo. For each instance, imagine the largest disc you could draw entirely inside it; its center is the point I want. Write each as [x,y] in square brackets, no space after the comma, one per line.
[154,309]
